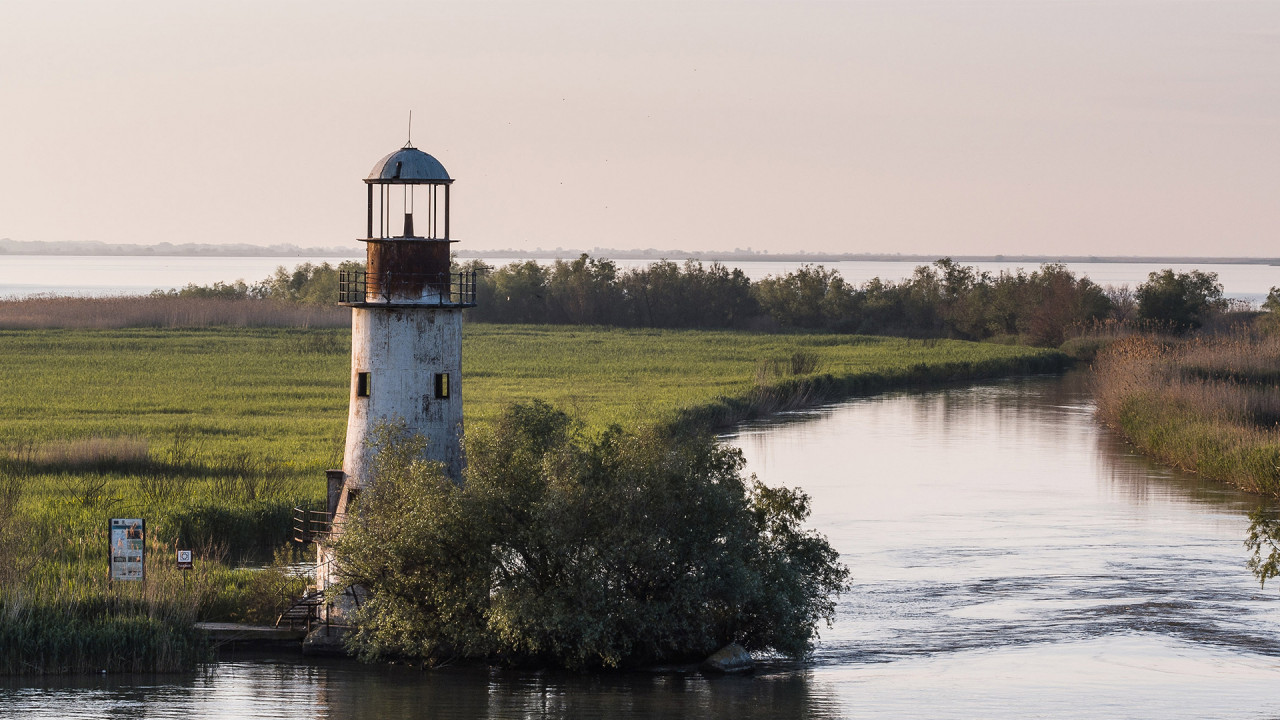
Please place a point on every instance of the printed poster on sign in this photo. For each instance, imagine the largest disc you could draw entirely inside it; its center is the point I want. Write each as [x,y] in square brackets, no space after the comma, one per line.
[128,543]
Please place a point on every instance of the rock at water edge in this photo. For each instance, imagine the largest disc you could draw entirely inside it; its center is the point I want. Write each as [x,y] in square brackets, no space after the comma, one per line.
[732,658]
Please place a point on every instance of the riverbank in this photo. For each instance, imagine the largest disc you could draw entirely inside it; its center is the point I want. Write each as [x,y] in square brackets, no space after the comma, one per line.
[1046,557]
[1209,406]
[213,435]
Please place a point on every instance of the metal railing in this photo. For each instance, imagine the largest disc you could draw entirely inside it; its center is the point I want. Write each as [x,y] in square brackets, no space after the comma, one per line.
[358,287]
[312,525]
[304,610]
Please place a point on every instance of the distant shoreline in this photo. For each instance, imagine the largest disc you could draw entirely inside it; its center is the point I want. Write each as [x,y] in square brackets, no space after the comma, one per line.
[719,256]
[95,249]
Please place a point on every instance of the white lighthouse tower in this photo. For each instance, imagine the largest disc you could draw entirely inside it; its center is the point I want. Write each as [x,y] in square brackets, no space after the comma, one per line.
[406,325]
[406,315]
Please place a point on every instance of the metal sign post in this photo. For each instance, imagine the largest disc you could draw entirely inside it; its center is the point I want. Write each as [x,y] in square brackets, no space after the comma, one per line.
[184,564]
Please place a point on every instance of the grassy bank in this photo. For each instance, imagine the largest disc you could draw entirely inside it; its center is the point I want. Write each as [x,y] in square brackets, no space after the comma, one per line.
[214,434]
[1209,406]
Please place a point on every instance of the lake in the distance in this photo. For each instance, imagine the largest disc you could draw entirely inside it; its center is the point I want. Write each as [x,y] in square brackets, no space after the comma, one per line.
[1009,559]
[26,275]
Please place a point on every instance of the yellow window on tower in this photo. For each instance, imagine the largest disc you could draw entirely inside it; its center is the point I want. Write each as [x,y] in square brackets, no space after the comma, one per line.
[442,385]
[362,384]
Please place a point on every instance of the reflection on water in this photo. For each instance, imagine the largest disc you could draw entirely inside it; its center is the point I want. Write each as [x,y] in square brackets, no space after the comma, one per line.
[286,688]
[1009,557]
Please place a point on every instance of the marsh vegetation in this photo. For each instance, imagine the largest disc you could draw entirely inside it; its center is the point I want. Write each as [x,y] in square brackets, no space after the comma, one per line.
[214,434]
[1043,307]
[1208,404]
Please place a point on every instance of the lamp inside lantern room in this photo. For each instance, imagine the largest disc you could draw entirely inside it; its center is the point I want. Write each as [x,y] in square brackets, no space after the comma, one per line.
[424,207]
[408,211]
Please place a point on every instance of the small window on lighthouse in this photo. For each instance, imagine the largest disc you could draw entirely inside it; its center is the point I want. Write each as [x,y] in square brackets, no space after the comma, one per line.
[442,385]
[362,384]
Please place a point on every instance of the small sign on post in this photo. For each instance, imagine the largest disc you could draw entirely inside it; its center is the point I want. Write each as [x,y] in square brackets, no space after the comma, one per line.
[184,564]
[128,549]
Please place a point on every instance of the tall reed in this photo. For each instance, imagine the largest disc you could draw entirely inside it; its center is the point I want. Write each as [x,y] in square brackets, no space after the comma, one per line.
[165,312]
[65,616]
[1208,405]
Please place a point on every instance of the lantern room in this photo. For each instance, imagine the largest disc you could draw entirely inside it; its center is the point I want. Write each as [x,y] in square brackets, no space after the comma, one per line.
[407,237]
[408,197]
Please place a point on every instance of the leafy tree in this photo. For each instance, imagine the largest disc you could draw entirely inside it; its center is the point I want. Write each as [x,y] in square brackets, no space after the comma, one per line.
[1056,300]
[584,291]
[1272,303]
[922,302]
[666,295]
[1006,303]
[1124,305]
[582,552]
[1270,319]
[658,296]
[237,290]
[306,283]
[1179,301]
[517,293]
[961,301]
[1264,542]
[811,297]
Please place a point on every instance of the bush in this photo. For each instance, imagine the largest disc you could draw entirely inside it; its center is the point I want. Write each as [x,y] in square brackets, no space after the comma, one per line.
[811,297]
[622,550]
[306,283]
[1179,301]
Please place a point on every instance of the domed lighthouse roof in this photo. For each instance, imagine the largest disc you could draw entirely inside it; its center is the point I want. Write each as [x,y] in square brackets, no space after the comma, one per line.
[408,166]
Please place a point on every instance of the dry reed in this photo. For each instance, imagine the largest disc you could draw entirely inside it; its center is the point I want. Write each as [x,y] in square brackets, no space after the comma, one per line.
[91,452]
[164,312]
[1209,405]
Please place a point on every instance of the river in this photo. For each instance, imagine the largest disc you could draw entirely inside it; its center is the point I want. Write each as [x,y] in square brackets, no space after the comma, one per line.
[1009,558]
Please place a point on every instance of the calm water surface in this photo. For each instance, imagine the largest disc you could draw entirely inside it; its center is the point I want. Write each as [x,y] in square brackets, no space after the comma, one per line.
[97,276]
[1010,559]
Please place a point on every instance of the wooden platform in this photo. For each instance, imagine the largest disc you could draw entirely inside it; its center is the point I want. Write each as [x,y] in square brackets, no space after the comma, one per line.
[251,635]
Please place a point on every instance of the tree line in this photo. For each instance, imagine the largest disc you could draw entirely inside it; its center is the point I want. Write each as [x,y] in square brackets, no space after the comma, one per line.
[944,299]
[307,284]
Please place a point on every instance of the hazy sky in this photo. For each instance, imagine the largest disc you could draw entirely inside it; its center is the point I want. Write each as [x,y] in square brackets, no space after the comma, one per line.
[1017,126]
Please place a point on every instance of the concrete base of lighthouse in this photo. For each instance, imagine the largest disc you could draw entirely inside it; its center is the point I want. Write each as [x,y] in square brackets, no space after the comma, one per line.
[406,369]
[412,360]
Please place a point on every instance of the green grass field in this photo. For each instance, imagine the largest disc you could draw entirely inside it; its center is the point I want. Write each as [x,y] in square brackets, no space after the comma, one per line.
[214,435]
[155,420]
[283,393]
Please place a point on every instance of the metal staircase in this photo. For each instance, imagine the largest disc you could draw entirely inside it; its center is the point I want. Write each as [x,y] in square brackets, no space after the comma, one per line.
[303,612]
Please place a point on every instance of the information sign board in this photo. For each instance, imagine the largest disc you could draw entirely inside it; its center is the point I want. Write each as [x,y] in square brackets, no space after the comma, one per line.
[128,548]
[184,559]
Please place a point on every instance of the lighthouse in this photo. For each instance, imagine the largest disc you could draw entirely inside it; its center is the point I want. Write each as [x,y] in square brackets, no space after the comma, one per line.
[406,316]
[406,326]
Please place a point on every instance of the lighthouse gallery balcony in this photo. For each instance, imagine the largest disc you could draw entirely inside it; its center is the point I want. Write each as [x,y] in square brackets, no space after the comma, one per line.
[358,288]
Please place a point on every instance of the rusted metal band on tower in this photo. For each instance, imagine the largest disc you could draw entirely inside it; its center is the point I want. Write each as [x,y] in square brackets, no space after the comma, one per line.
[408,268]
